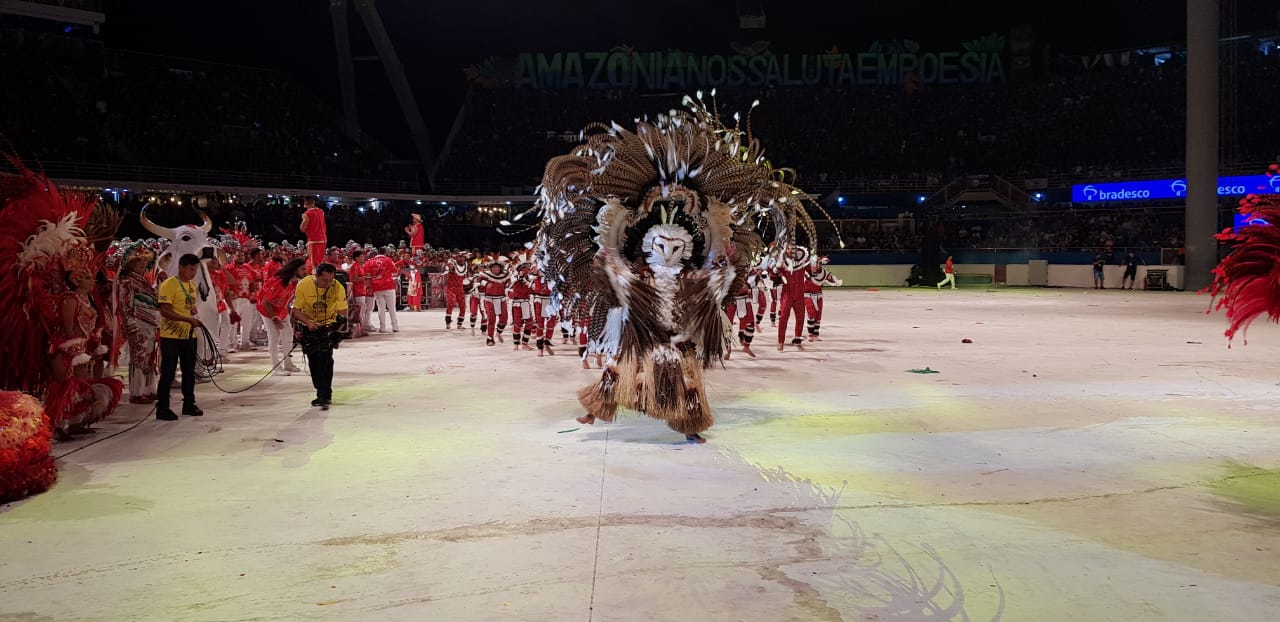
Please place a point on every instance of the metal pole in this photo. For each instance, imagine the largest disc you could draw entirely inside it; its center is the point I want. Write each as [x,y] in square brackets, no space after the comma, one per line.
[399,83]
[1202,143]
[346,73]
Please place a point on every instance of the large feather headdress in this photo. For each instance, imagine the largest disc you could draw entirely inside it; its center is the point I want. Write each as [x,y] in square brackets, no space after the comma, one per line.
[619,182]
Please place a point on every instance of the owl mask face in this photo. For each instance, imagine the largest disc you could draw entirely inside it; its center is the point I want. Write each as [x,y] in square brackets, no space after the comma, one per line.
[667,246]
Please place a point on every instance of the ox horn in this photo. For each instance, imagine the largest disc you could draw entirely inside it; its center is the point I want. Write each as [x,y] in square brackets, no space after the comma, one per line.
[153,227]
[207,225]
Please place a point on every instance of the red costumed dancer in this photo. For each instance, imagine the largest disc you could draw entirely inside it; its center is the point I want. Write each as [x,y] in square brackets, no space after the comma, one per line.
[544,319]
[474,286]
[739,308]
[494,285]
[1247,282]
[816,277]
[519,293]
[313,227]
[791,274]
[54,343]
[455,293]
[417,234]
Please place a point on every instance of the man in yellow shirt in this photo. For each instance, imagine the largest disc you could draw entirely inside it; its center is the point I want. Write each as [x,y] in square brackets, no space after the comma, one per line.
[177,298]
[320,306]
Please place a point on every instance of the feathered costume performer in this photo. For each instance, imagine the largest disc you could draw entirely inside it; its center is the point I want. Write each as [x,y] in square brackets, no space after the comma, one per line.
[645,232]
[1247,282]
[53,330]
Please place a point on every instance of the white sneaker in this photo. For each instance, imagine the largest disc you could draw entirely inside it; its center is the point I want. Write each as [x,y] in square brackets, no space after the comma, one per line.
[290,367]
[281,372]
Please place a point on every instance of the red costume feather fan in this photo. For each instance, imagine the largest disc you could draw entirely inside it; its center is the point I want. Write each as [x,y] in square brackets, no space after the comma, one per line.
[1247,282]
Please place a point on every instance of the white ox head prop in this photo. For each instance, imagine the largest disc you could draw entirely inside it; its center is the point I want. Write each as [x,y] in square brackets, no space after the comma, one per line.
[190,240]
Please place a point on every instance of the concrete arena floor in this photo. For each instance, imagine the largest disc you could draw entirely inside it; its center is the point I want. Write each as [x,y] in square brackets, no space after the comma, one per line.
[1090,456]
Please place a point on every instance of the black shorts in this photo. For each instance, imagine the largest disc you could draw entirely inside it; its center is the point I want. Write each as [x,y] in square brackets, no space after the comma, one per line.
[1131,272]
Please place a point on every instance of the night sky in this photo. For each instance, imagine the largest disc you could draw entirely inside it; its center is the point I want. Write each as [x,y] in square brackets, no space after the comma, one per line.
[436,39]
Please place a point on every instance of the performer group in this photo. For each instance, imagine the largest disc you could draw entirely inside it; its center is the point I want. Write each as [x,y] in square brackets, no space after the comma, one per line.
[658,273]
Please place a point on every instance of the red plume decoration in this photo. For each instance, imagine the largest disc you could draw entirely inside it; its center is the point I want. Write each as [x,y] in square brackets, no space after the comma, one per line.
[1247,282]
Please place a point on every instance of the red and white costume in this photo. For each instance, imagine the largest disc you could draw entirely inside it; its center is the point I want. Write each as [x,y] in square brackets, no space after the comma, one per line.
[317,236]
[474,287]
[522,320]
[544,318]
[791,276]
[739,308]
[241,300]
[414,290]
[816,277]
[493,283]
[356,273]
[455,293]
[384,272]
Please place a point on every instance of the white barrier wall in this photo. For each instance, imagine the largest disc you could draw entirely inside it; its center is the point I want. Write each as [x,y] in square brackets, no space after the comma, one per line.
[1015,275]
[871,276]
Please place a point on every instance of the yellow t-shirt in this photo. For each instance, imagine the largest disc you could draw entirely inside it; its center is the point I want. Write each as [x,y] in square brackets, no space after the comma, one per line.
[183,298]
[320,305]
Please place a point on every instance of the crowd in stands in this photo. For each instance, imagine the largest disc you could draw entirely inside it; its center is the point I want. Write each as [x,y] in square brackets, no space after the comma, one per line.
[1082,124]
[273,220]
[96,105]
[1068,230]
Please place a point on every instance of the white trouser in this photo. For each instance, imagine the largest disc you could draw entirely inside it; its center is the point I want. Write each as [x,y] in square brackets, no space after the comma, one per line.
[225,331]
[279,340]
[386,302]
[366,311]
[247,314]
[949,277]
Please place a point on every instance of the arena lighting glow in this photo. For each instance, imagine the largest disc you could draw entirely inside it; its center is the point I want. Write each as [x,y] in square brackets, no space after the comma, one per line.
[418,202]
[1234,186]
[1038,196]
[840,200]
[920,199]
[444,202]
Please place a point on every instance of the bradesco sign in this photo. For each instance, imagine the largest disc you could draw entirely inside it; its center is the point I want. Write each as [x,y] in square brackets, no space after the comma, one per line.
[1171,189]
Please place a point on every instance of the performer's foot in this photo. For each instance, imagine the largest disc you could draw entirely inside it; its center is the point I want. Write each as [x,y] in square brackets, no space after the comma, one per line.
[488,341]
[191,410]
[600,361]
[781,347]
[81,428]
[499,337]
[141,399]
[727,353]
[817,337]
[166,414]
[587,419]
[695,438]
[747,349]
[550,352]
[526,347]
[585,364]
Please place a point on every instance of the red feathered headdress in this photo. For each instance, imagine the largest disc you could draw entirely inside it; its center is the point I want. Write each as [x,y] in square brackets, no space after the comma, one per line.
[1247,282]
[41,238]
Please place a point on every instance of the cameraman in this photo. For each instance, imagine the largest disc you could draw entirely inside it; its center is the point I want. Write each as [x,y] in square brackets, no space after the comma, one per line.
[319,308]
